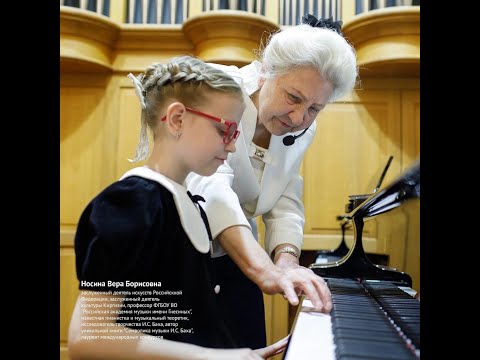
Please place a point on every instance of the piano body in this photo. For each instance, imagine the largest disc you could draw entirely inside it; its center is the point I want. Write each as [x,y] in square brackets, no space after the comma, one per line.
[375,314]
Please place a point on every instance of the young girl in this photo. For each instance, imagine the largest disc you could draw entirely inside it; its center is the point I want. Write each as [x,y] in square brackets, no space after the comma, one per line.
[142,245]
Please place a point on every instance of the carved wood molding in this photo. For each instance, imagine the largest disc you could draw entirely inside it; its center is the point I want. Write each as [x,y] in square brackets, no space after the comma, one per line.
[228,36]
[93,43]
[86,40]
[387,41]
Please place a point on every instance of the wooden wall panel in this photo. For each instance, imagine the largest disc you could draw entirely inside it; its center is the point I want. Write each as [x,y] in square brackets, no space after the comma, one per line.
[410,127]
[87,143]
[128,126]
[68,291]
[353,142]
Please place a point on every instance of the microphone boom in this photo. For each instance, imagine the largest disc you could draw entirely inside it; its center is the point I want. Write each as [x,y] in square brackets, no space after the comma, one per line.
[290,139]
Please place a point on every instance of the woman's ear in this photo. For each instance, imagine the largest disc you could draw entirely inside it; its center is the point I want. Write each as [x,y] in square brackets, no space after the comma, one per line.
[261,76]
[261,81]
[174,118]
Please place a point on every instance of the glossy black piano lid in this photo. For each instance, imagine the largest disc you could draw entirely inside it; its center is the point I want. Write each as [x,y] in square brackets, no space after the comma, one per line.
[356,264]
[406,186]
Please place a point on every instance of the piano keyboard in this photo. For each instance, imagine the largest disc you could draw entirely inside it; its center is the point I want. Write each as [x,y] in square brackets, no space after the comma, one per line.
[373,319]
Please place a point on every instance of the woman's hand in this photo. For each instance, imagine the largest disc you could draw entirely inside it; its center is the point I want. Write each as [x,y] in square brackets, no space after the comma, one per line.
[292,280]
[285,277]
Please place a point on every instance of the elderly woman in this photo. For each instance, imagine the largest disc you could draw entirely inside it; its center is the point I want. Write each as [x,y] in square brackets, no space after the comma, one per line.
[302,69]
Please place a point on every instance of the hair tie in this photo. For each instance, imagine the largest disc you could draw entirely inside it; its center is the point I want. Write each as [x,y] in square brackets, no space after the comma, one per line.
[323,23]
[139,90]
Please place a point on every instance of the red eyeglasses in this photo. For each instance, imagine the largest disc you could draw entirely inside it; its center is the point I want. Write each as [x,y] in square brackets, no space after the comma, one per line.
[230,133]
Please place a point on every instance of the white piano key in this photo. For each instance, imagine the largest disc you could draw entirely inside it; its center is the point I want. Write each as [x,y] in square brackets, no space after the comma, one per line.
[312,337]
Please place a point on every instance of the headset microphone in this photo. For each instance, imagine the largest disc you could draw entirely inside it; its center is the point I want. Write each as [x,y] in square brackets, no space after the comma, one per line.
[290,139]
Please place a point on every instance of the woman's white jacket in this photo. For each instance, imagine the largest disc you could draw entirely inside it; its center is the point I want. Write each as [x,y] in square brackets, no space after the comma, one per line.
[278,196]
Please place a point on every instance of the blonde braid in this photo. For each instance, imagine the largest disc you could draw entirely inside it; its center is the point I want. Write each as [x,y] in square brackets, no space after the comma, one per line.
[186,79]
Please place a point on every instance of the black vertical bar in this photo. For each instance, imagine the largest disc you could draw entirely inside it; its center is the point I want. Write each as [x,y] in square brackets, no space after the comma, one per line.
[106,8]
[179,14]
[323,9]
[373,5]
[137,14]
[315,8]
[92,5]
[152,12]
[74,3]
[242,5]
[262,7]
[166,10]
[330,12]
[358,7]
[224,4]
[390,3]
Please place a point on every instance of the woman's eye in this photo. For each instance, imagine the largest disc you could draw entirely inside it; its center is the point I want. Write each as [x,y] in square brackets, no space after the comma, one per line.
[293,98]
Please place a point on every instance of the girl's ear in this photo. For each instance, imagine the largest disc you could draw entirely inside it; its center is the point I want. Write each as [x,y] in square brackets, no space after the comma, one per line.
[174,118]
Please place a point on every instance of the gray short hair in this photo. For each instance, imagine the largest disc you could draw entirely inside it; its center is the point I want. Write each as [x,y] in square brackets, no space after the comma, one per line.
[320,48]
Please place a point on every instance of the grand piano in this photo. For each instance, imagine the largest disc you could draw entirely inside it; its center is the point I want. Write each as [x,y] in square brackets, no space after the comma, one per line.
[375,314]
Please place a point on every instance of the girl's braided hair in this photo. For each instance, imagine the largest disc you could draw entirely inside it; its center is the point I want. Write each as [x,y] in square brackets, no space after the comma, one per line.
[185,79]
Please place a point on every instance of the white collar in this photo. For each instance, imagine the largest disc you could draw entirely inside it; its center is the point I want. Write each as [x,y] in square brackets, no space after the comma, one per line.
[188,212]
[251,74]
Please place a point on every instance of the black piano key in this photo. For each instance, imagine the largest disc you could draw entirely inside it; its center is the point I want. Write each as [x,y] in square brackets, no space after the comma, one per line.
[373,350]
[412,332]
[355,300]
[402,307]
[401,319]
[398,300]
[348,308]
[374,320]
[388,336]
[362,325]
[358,315]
